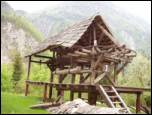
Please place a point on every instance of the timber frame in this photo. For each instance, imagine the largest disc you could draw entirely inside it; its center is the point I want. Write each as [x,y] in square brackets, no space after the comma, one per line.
[88,50]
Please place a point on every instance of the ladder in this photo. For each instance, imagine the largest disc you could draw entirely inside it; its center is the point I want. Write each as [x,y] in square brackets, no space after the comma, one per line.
[112,98]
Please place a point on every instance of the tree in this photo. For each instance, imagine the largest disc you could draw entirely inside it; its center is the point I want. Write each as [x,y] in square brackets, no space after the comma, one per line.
[17,72]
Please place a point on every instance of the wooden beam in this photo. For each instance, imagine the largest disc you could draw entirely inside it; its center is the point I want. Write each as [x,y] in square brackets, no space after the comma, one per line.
[110,80]
[94,37]
[99,78]
[67,71]
[114,73]
[45,105]
[73,55]
[40,62]
[100,37]
[86,51]
[100,58]
[85,78]
[81,53]
[121,68]
[41,56]
[108,34]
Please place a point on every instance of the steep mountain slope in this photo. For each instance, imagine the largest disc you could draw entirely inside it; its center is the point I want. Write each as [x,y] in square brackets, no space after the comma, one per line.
[127,28]
[17,33]
[13,39]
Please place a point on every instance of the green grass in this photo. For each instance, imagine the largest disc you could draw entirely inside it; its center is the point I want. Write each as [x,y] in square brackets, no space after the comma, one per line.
[19,104]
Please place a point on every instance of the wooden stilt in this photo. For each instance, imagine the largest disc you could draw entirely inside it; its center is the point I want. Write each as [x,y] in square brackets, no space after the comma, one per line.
[81,78]
[51,88]
[45,93]
[60,81]
[114,76]
[51,77]
[92,98]
[72,93]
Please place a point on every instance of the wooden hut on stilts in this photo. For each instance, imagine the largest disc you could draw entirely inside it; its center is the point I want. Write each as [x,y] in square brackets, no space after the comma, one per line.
[88,50]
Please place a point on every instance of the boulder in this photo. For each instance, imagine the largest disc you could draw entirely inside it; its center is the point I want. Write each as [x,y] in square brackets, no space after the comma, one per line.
[78,106]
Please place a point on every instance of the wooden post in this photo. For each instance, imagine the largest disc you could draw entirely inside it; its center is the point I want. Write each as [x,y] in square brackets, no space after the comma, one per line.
[114,76]
[51,78]
[60,81]
[45,93]
[26,89]
[28,74]
[81,78]
[72,81]
[62,96]
[92,98]
[50,89]
[29,68]
[138,102]
[92,77]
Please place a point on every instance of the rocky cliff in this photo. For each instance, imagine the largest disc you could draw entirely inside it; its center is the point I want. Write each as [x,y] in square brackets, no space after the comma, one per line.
[13,38]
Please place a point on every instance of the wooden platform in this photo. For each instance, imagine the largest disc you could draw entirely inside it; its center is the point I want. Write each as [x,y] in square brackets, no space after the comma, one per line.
[86,87]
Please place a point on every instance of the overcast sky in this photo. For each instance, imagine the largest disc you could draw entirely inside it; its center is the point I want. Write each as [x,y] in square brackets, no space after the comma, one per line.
[138,8]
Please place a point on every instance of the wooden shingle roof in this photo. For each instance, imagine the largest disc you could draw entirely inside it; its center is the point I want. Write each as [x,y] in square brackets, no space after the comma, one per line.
[69,36]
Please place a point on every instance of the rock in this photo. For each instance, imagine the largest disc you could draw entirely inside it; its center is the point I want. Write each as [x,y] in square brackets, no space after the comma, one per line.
[78,106]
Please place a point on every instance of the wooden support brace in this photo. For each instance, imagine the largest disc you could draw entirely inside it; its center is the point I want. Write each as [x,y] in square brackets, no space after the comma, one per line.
[100,58]
[121,68]
[85,78]
[99,78]
[108,34]
[67,71]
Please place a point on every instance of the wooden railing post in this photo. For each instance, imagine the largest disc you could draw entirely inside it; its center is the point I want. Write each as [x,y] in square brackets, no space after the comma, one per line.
[28,74]
[45,93]
[138,102]
[26,89]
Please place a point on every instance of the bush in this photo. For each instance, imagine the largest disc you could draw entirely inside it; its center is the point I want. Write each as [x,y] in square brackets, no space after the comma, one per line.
[17,72]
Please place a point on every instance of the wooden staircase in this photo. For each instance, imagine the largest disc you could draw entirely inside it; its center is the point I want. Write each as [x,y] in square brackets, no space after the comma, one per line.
[112,98]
